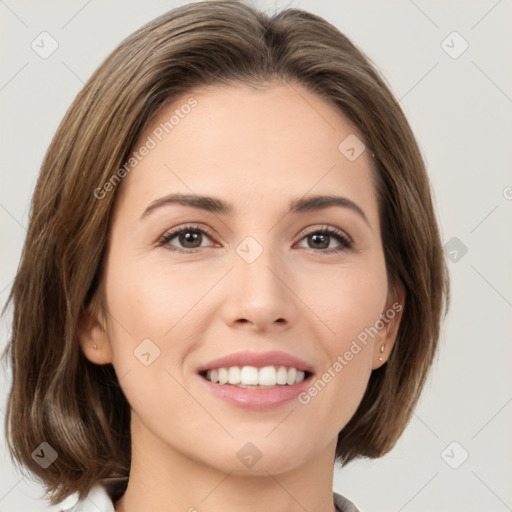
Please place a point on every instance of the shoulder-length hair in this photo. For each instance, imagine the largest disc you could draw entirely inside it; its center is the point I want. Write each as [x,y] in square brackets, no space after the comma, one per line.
[77,407]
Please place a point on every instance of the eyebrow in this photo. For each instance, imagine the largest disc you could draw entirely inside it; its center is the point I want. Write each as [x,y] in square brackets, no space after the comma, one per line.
[216,205]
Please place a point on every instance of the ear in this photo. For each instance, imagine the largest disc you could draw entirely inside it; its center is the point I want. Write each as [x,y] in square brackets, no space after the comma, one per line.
[390,322]
[93,337]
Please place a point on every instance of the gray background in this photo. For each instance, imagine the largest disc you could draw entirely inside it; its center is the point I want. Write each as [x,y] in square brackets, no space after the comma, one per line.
[460,110]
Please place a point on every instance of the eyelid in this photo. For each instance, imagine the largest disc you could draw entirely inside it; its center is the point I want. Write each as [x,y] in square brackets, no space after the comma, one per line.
[345,240]
[330,229]
[164,239]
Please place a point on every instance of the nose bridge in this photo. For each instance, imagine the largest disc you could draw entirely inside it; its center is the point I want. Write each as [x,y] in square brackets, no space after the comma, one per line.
[257,264]
[258,291]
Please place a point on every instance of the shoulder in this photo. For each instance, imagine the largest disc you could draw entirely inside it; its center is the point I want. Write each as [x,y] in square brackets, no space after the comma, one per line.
[97,500]
[343,504]
[100,498]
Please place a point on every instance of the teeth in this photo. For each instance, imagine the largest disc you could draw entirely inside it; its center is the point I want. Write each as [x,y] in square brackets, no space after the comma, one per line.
[223,376]
[234,375]
[282,376]
[249,376]
[268,376]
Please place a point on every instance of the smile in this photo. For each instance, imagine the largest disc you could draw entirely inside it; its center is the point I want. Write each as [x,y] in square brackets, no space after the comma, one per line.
[253,377]
[256,380]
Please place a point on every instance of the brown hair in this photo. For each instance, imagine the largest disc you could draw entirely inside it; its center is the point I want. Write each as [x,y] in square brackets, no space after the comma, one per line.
[57,395]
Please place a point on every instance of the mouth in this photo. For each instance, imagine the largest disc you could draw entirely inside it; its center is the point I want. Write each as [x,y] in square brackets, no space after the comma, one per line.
[252,377]
[257,380]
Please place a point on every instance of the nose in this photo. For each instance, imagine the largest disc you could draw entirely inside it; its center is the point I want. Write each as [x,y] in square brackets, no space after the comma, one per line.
[260,293]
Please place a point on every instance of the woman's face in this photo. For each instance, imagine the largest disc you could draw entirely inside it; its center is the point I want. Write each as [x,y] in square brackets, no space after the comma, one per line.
[253,276]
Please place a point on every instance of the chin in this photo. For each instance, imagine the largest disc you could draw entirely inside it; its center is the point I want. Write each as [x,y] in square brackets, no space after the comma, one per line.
[258,456]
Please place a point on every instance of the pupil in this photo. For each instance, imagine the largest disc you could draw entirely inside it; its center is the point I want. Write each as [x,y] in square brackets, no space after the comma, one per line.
[321,238]
[189,237]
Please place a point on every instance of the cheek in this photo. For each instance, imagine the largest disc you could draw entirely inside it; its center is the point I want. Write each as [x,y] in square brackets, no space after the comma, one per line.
[152,330]
[159,315]
[346,299]
[349,305]
[150,300]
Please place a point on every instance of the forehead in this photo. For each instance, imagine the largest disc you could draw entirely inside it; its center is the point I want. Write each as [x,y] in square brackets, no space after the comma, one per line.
[278,141]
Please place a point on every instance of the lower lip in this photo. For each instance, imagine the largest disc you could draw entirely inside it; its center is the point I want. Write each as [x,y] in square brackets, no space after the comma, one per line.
[259,399]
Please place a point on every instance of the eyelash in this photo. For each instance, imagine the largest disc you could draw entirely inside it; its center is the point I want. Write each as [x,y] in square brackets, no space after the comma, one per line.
[340,236]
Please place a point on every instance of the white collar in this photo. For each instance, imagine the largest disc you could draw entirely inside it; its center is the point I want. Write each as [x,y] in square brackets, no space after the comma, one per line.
[100,500]
[97,500]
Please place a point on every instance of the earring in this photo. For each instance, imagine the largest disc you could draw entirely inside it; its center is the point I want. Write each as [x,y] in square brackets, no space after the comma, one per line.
[382,348]
[95,346]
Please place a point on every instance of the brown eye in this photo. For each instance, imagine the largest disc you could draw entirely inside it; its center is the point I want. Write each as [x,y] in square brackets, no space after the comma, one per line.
[188,239]
[322,239]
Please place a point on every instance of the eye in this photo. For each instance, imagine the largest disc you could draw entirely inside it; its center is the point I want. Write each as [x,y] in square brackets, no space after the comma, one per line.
[322,238]
[190,237]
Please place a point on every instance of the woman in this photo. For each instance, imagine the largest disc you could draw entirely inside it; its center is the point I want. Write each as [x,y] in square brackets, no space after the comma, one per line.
[232,275]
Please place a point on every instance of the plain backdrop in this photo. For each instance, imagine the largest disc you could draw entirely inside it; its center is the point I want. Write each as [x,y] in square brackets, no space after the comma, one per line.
[456,454]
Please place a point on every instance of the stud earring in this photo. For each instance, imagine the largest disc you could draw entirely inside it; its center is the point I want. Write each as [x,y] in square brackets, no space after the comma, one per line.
[382,348]
[95,346]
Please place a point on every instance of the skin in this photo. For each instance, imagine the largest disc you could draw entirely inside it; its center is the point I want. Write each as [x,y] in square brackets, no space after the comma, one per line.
[257,149]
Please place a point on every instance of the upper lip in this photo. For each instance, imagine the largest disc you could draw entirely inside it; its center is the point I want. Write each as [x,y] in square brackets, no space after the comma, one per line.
[259,360]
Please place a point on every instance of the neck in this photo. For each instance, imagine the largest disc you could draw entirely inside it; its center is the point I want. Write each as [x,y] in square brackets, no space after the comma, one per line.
[163,479]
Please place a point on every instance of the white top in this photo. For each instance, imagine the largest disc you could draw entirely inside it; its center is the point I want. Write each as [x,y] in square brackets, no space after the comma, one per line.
[99,499]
